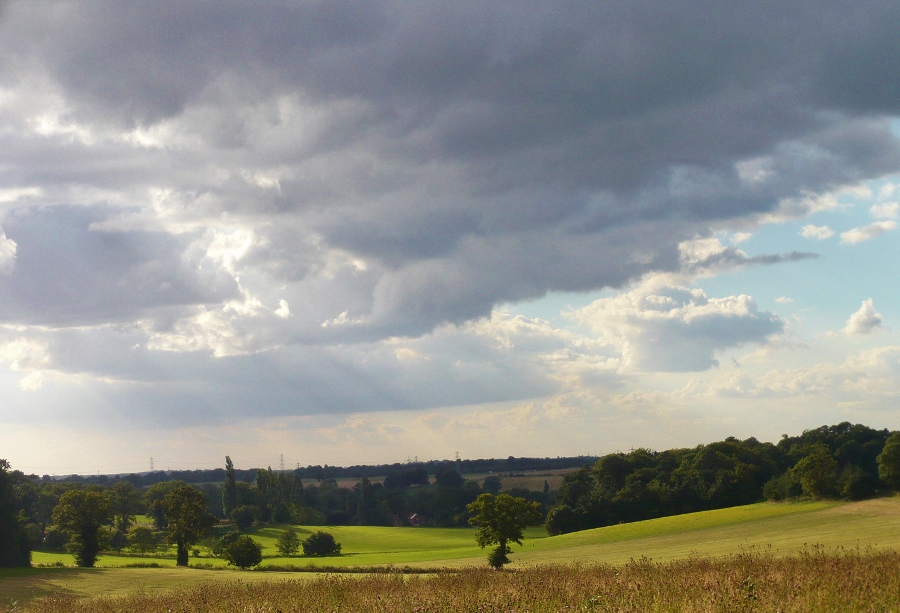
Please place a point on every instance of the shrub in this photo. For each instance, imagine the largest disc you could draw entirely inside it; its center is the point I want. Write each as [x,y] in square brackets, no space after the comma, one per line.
[244,552]
[141,539]
[321,544]
[288,543]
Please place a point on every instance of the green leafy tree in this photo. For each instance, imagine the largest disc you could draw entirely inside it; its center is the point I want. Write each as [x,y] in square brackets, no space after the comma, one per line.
[288,543]
[501,520]
[187,520]
[153,499]
[82,514]
[142,540]
[124,503]
[229,489]
[321,544]
[243,552]
[817,472]
[889,462]
[15,548]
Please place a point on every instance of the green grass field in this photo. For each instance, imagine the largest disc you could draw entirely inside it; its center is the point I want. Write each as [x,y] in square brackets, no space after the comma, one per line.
[784,528]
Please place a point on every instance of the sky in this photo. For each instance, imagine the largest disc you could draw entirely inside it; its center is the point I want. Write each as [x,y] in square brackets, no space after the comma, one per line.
[359,232]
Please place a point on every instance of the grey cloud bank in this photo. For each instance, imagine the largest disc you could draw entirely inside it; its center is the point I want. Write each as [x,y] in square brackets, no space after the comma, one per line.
[269,194]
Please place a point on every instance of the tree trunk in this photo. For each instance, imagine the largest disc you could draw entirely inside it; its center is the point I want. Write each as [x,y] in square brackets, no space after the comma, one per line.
[182,555]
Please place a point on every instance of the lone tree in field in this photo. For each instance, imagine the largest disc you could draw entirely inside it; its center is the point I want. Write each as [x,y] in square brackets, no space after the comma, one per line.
[187,520]
[501,519]
[288,542]
[243,552]
[81,514]
[321,544]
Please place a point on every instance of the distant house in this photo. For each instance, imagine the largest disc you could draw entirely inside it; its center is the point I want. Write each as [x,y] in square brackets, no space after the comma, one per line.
[416,520]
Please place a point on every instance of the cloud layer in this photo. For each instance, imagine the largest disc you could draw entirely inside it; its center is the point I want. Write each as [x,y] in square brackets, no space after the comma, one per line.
[219,209]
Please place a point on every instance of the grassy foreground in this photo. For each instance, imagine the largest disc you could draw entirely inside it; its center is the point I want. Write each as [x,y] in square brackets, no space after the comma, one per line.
[783,529]
[812,581]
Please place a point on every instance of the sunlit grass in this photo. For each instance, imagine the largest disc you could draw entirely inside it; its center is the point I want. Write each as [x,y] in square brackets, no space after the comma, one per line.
[813,581]
[777,529]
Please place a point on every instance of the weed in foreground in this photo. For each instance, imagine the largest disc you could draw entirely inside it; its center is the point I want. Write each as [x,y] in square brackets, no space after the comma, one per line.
[812,581]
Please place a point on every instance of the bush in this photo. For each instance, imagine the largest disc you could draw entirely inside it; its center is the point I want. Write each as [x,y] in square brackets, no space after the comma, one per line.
[141,539]
[244,552]
[321,544]
[222,544]
[288,542]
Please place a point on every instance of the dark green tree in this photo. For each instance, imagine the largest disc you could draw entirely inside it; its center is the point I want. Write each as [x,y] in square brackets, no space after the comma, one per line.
[447,476]
[889,462]
[321,544]
[817,472]
[15,549]
[493,484]
[243,552]
[187,520]
[501,520]
[153,499]
[244,516]
[82,514]
[229,489]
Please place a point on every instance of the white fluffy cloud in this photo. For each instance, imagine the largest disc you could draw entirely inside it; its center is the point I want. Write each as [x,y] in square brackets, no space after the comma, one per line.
[819,233]
[885,210]
[7,253]
[859,235]
[863,321]
[659,327]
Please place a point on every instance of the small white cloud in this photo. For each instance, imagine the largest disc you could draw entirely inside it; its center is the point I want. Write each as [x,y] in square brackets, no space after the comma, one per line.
[859,235]
[864,321]
[7,253]
[784,300]
[887,190]
[819,233]
[740,237]
[887,210]
[283,310]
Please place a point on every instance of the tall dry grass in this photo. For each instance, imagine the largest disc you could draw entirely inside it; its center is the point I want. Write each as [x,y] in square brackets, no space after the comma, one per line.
[812,581]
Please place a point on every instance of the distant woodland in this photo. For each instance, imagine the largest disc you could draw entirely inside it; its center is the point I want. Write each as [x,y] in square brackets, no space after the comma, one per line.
[844,461]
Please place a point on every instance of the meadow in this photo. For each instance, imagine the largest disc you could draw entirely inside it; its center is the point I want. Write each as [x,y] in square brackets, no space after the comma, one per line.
[769,531]
[813,581]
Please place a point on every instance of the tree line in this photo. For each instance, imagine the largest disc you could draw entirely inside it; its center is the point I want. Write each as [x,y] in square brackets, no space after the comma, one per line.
[842,461]
[321,473]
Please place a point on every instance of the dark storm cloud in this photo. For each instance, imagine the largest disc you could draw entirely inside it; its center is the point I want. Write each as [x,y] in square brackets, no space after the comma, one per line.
[470,153]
